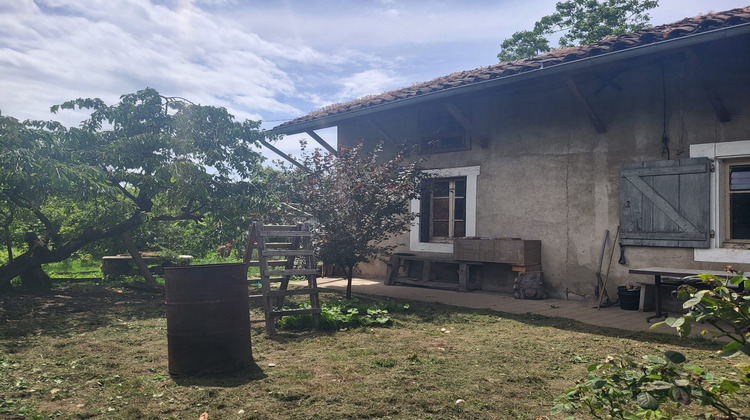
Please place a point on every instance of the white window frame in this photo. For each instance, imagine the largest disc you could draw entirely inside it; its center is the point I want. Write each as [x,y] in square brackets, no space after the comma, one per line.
[719,153]
[471,173]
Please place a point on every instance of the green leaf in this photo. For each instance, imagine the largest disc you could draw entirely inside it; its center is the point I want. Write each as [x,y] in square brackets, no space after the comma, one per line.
[680,395]
[674,357]
[647,401]
[654,359]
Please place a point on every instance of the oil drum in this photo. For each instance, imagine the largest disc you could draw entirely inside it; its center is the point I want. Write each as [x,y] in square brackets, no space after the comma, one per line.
[208,318]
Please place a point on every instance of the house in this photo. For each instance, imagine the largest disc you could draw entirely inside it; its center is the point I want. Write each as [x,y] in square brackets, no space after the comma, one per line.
[648,131]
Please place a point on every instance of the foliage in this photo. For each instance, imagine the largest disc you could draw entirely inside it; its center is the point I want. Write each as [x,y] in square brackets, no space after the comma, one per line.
[721,306]
[340,314]
[358,200]
[146,159]
[583,21]
[654,388]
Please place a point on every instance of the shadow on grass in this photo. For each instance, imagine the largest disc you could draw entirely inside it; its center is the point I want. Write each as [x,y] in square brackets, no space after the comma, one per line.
[251,373]
[72,309]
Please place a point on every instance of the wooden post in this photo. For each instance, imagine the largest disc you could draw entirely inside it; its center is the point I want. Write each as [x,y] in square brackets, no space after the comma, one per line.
[142,267]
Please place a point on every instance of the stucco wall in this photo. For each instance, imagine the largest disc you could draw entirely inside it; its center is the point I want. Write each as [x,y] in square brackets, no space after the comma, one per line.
[548,174]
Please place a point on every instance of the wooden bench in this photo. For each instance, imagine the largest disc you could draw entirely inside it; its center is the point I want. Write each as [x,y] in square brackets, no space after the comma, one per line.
[677,277]
[463,268]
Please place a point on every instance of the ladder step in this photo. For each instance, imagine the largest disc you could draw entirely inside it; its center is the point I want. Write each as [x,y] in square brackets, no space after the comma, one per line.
[287,253]
[291,292]
[281,233]
[278,245]
[296,312]
[271,263]
[296,272]
[282,227]
[270,280]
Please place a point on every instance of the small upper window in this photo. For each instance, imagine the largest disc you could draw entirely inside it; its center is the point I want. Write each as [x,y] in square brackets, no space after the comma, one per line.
[737,202]
[440,132]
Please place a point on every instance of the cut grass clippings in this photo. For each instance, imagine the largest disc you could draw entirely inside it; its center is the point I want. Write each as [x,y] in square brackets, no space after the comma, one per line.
[101,352]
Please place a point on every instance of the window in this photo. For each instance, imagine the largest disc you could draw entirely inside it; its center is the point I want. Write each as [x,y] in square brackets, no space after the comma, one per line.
[730,200]
[736,202]
[446,218]
[440,132]
[449,211]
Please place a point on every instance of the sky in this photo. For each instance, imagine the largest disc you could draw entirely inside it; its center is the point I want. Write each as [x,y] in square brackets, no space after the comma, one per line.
[262,60]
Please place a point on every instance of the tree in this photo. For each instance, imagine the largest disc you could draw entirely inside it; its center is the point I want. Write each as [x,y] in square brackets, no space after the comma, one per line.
[147,158]
[583,21]
[357,200]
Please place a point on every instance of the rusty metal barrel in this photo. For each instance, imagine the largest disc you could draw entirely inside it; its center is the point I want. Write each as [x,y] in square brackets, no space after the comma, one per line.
[208,318]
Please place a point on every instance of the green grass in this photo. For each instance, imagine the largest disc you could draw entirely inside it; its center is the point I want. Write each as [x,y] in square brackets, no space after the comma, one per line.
[101,352]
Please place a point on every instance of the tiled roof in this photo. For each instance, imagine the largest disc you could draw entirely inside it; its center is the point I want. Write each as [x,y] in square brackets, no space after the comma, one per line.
[610,44]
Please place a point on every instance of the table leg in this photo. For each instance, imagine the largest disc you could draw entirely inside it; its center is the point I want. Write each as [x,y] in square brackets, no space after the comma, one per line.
[657,286]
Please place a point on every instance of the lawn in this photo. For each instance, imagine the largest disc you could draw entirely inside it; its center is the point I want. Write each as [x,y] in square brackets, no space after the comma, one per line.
[100,351]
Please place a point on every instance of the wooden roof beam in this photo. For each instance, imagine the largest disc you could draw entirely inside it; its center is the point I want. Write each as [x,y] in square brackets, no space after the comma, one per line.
[284,155]
[380,131]
[598,124]
[713,96]
[322,142]
[466,124]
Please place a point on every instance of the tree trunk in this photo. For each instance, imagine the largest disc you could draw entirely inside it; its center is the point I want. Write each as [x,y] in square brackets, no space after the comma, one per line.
[349,276]
[8,242]
[35,278]
[39,253]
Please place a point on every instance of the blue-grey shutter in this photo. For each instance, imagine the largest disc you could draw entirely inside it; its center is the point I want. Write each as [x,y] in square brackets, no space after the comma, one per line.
[666,203]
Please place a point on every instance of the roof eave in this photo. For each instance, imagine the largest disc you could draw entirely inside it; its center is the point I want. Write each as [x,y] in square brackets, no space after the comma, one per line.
[656,47]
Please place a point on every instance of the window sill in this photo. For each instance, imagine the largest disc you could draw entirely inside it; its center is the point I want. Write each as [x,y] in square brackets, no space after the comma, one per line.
[723,255]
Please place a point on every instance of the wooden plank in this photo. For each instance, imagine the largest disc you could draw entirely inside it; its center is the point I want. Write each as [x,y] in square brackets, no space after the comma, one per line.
[133,250]
[294,272]
[463,277]
[282,233]
[287,252]
[526,268]
[380,131]
[272,263]
[466,124]
[322,142]
[598,124]
[506,251]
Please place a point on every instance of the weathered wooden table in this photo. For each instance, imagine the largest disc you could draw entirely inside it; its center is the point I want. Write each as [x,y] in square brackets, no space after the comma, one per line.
[680,273]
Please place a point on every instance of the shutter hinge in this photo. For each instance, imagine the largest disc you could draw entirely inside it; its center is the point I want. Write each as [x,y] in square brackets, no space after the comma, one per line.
[712,234]
[712,168]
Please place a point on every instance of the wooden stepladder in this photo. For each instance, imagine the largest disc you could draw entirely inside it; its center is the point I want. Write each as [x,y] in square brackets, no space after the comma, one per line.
[283,251]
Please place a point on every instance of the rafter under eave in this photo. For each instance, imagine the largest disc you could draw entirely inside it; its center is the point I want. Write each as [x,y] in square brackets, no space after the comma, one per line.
[598,124]
[718,104]
[466,124]
[322,142]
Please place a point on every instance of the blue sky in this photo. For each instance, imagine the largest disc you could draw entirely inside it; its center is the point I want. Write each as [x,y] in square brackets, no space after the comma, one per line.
[260,59]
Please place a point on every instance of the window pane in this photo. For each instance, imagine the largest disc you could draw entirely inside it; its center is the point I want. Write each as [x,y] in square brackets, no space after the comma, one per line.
[740,211]
[459,229]
[739,178]
[440,229]
[459,212]
[441,188]
[440,209]
[461,188]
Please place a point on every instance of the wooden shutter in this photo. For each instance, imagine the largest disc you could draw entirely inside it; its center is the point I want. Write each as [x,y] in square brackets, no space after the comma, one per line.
[665,203]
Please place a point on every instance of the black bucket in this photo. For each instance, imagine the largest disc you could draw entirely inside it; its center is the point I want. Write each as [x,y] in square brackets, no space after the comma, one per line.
[630,299]
[208,318]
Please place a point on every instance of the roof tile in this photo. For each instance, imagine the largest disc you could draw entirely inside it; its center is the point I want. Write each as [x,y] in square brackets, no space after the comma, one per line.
[684,27]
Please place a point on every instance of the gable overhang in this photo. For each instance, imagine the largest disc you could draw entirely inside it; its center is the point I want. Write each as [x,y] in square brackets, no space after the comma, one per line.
[587,63]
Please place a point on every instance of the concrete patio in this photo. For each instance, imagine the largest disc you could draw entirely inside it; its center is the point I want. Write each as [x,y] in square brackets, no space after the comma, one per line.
[579,310]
